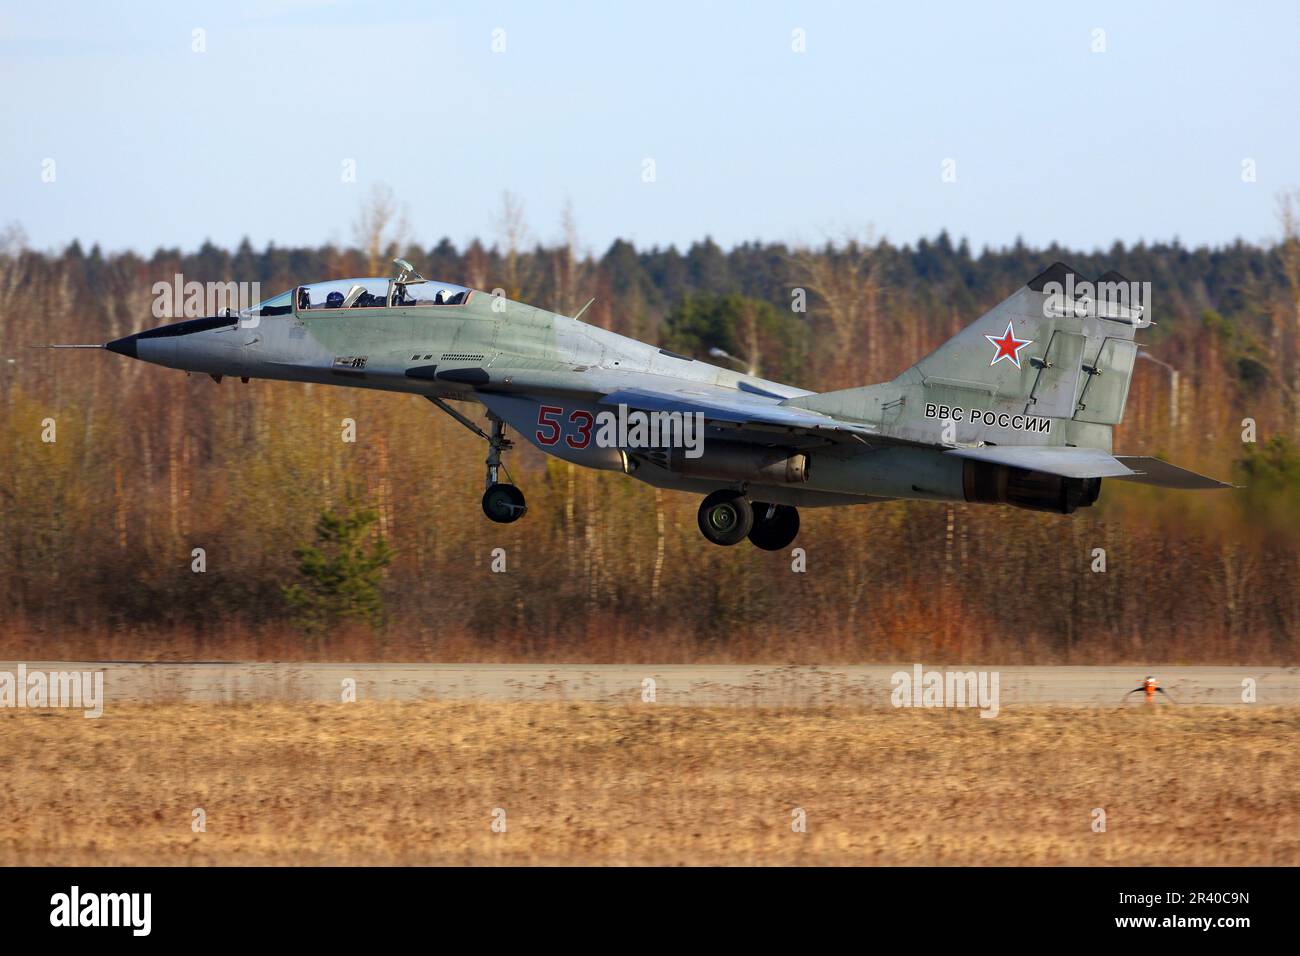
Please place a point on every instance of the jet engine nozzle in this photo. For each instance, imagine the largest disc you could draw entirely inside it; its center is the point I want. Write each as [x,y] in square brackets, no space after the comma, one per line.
[988,483]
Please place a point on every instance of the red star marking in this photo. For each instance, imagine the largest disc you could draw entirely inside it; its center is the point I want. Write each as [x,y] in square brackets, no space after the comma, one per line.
[1008,346]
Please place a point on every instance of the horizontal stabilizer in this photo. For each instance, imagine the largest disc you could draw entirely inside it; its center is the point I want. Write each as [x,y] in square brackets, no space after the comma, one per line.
[1070,462]
[1153,471]
[1063,460]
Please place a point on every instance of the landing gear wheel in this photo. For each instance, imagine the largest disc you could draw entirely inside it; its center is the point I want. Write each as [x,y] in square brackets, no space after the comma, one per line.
[775,526]
[504,503]
[725,517]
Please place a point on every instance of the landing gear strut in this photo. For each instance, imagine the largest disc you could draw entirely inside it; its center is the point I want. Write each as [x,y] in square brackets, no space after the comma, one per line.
[502,502]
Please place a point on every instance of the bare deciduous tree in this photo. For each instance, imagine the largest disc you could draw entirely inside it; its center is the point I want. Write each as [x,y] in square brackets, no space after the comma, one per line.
[512,232]
[843,281]
[1289,251]
[381,228]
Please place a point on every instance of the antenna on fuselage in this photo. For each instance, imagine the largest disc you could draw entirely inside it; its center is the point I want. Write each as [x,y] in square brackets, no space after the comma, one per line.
[584,308]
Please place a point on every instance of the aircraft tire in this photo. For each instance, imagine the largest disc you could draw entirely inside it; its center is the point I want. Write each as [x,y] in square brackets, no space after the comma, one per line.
[504,503]
[725,517]
[777,533]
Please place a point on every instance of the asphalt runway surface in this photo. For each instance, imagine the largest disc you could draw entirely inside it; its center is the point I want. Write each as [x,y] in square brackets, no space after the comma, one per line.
[712,685]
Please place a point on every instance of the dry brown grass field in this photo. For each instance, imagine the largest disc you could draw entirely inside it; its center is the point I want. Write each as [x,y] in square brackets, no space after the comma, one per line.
[417,783]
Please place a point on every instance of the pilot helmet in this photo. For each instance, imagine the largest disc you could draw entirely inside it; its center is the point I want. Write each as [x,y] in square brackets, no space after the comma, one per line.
[334,300]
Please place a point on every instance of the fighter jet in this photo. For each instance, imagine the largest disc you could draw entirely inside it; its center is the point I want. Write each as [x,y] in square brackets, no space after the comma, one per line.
[1017,409]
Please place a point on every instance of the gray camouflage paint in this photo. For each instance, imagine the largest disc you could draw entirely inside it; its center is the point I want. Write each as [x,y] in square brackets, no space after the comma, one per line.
[865,444]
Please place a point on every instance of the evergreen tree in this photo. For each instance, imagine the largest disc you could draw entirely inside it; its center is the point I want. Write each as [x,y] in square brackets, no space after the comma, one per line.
[341,576]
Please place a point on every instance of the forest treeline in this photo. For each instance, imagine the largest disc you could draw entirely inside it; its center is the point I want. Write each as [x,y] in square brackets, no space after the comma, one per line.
[101,529]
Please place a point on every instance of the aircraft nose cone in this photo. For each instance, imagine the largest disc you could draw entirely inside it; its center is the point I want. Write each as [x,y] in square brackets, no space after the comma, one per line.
[124,346]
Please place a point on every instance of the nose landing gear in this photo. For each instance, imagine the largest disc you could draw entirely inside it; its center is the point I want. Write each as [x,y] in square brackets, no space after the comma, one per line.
[502,502]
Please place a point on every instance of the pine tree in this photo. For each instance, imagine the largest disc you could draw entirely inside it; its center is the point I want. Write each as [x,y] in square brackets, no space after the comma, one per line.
[341,576]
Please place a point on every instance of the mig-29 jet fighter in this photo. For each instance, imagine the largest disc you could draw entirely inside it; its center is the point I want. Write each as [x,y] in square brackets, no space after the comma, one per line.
[1017,409]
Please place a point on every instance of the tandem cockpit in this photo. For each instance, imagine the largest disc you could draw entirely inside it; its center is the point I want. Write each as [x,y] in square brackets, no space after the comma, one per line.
[408,290]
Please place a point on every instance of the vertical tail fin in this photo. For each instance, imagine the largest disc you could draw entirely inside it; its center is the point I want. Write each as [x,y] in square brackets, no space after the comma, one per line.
[1055,349]
[1051,364]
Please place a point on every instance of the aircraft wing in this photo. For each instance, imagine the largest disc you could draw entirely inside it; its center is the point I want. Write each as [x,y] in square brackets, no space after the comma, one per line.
[731,407]
[1072,462]
[748,407]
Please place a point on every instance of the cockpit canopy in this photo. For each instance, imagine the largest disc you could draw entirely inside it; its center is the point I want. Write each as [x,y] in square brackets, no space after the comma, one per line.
[281,304]
[379,294]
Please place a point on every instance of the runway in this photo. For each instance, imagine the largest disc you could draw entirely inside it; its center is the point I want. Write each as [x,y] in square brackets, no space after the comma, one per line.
[700,685]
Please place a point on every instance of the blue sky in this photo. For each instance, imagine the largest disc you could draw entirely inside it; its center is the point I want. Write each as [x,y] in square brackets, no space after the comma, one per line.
[157,145]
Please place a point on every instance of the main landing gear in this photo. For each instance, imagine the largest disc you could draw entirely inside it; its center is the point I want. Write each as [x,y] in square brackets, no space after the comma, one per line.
[775,526]
[727,517]
[502,502]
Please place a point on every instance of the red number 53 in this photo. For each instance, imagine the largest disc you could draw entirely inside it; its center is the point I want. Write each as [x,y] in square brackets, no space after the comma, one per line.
[549,428]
